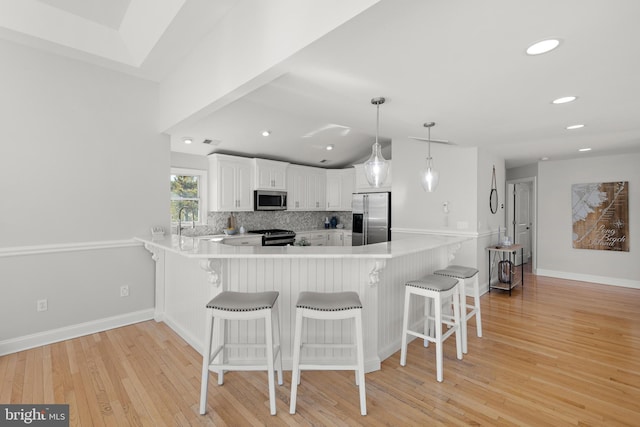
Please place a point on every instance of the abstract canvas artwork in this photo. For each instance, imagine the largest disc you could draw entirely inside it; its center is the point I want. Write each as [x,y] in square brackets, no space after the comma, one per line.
[600,213]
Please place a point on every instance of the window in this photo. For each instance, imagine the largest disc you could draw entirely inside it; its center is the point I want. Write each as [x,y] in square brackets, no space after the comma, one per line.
[189,191]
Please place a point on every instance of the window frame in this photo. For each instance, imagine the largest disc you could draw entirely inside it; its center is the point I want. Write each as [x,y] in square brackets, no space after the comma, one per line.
[202,192]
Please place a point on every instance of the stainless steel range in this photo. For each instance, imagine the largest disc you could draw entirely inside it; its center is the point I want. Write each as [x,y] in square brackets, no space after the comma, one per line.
[276,237]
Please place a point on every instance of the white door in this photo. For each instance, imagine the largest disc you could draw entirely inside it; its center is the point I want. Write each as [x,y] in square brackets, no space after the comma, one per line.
[522,220]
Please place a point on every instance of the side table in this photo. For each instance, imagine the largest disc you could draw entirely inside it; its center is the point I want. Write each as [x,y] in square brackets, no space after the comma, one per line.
[508,253]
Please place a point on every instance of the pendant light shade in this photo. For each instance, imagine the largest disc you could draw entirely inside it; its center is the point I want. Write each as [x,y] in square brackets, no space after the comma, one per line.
[376,167]
[429,177]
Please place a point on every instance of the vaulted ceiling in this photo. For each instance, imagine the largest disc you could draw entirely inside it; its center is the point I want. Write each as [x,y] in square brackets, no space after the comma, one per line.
[461,64]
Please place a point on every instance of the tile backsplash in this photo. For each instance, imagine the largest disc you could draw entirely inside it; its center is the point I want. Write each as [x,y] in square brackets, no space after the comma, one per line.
[288,220]
[260,220]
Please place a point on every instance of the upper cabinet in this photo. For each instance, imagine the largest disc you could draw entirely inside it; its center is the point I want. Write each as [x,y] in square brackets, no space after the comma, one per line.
[306,188]
[231,183]
[340,187]
[270,174]
[232,180]
[317,188]
[362,185]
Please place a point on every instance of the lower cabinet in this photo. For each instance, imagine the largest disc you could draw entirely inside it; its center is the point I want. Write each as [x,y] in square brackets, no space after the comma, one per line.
[346,238]
[325,238]
[243,241]
[335,238]
[313,238]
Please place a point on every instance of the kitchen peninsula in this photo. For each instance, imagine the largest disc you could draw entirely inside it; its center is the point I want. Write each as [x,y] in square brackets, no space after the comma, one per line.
[191,271]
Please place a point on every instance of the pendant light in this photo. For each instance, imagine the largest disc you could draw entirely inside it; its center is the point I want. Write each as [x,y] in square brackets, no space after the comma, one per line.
[376,167]
[429,177]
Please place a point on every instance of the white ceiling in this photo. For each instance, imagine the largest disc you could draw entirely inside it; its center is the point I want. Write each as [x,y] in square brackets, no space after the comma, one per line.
[108,13]
[458,63]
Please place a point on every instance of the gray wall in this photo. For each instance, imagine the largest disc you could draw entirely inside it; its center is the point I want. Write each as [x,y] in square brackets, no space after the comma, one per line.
[83,169]
[526,171]
[465,183]
[415,209]
[556,255]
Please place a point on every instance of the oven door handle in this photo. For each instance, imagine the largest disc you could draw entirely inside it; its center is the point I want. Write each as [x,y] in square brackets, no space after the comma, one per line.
[273,242]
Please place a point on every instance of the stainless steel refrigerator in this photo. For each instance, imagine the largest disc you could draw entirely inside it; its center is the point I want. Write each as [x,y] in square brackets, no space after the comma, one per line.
[371,218]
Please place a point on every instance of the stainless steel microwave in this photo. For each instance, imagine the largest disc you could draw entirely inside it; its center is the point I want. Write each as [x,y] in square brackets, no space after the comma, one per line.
[266,200]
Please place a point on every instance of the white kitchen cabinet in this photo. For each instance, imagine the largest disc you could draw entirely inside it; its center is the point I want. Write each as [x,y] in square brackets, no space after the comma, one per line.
[230,183]
[317,189]
[340,187]
[314,238]
[296,192]
[243,241]
[332,237]
[335,238]
[362,185]
[319,239]
[306,188]
[346,238]
[341,238]
[270,174]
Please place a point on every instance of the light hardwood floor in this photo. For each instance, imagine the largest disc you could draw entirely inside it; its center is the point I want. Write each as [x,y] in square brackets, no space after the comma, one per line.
[556,352]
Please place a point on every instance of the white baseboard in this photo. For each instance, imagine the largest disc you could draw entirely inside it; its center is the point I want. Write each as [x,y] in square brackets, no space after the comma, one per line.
[626,283]
[26,342]
[196,342]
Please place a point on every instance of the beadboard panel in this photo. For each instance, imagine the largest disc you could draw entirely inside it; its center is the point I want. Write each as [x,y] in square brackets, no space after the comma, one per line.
[187,290]
[397,273]
[185,309]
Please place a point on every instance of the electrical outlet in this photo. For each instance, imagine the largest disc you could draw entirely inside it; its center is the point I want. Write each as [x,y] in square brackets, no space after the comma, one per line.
[124,291]
[41,305]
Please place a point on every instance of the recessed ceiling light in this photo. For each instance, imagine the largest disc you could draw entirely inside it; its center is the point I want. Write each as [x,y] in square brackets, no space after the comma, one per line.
[564,99]
[544,159]
[572,127]
[585,149]
[543,46]
[187,140]
[329,147]
[266,132]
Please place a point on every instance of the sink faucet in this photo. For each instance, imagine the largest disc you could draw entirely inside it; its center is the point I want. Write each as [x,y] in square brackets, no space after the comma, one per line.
[193,221]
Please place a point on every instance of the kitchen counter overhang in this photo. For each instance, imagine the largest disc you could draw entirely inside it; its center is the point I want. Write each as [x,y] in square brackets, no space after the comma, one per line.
[199,248]
[191,271]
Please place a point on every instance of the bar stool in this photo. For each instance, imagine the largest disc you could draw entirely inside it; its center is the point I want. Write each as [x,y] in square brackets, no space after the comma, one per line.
[436,289]
[468,277]
[241,306]
[328,306]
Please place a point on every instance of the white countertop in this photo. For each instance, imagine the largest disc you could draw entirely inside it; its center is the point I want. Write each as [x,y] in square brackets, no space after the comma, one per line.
[242,235]
[194,247]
